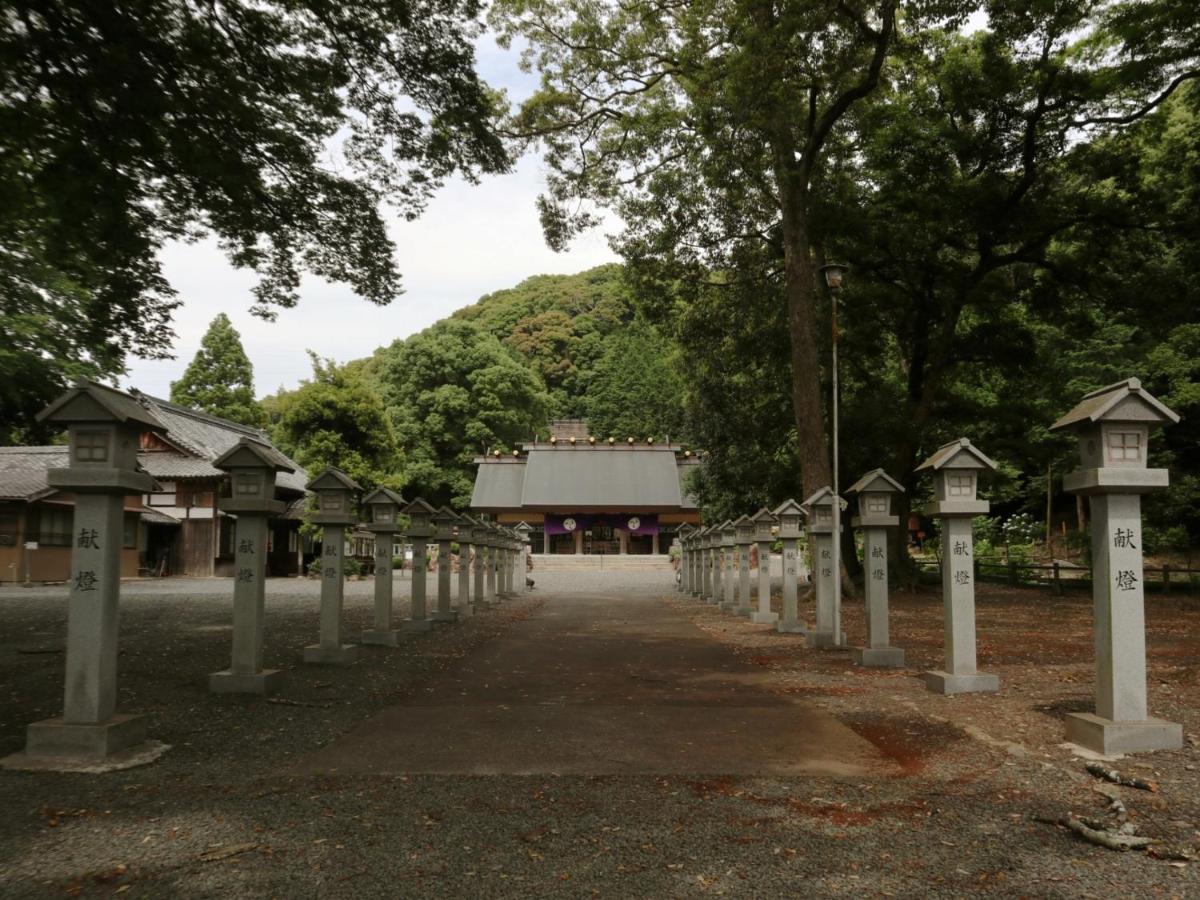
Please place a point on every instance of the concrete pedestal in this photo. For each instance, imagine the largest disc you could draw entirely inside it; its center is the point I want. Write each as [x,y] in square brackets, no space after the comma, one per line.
[489,594]
[706,575]
[59,737]
[330,650]
[958,601]
[878,651]
[940,682]
[728,581]
[1110,738]
[479,600]
[322,655]
[418,620]
[245,673]
[382,633]
[790,622]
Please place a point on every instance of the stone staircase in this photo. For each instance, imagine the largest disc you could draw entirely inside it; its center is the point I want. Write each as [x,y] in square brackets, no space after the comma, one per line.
[568,562]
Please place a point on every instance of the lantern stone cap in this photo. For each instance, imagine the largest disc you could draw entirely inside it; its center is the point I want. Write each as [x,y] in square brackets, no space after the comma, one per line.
[90,401]
[383,495]
[523,528]
[822,496]
[876,480]
[959,454]
[249,453]
[743,520]
[788,507]
[445,514]
[763,515]
[1125,401]
[686,531]
[419,507]
[333,479]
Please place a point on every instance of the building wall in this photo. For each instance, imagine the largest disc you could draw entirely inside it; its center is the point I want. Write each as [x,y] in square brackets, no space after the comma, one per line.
[49,564]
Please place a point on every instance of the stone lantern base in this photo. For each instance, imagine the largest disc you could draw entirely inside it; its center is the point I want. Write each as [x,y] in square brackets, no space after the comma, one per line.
[824,640]
[764,618]
[940,682]
[797,627]
[450,615]
[417,626]
[1108,737]
[56,737]
[228,682]
[879,657]
[387,637]
[344,655]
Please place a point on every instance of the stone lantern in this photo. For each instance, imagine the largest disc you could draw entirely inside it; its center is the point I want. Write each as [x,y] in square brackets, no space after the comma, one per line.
[335,512]
[493,556]
[479,539]
[789,513]
[875,491]
[764,524]
[383,507]
[103,429]
[743,527]
[705,540]
[465,530]
[695,570]
[523,531]
[420,530]
[685,558]
[252,467]
[726,543]
[957,467]
[818,510]
[445,521]
[1113,425]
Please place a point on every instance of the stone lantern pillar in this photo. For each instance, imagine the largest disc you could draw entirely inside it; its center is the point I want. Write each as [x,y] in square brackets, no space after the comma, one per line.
[383,508]
[743,528]
[697,558]
[103,427]
[251,466]
[444,522]
[479,536]
[818,510]
[420,530]
[501,551]
[956,468]
[1113,425]
[704,555]
[728,565]
[764,522]
[874,491]
[685,576]
[493,545]
[508,563]
[466,538]
[789,514]
[523,530]
[718,563]
[335,511]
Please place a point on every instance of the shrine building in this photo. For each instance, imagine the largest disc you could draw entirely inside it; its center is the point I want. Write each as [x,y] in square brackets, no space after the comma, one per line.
[583,494]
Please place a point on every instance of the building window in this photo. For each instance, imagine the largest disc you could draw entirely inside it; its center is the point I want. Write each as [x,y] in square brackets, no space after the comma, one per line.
[91,446]
[165,497]
[246,485]
[54,526]
[1124,446]
[10,526]
[228,536]
[960,484]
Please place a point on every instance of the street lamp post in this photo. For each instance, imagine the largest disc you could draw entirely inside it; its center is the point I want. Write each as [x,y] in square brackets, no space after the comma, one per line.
[834,274]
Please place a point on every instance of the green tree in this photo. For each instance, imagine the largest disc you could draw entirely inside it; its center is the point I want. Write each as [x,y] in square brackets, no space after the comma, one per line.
[454,392]
[637,390]
[337,418]
[279,128]
[220,379]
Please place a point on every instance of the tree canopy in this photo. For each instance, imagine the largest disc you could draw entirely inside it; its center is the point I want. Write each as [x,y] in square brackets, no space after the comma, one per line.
[220,379]
[279,128]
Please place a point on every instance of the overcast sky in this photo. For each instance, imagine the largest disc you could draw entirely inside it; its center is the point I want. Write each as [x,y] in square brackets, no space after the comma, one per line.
[473,239]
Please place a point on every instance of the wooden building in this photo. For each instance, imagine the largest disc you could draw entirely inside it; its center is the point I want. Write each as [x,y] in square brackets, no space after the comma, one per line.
[586,495]
[176,530]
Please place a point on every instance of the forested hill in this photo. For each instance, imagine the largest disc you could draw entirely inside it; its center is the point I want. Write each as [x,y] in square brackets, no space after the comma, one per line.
[416,412]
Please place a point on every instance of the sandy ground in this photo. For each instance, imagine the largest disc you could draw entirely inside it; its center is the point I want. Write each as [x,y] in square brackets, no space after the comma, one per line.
[233,809]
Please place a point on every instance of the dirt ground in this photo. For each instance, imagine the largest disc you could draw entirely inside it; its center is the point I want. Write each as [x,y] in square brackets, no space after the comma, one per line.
[228,812]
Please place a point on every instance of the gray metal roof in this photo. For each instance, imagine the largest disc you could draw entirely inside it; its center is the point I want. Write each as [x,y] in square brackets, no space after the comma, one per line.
[583,476]
[1124,401]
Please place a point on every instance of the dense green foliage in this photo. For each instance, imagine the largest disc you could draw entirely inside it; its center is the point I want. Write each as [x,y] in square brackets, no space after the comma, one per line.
[220,379]
[337,418]
[278,127]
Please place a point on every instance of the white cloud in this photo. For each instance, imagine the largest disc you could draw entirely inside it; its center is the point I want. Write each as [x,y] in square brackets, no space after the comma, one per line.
[473,239]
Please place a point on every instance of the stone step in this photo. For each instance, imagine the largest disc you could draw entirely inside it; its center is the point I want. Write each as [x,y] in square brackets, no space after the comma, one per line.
[560,562]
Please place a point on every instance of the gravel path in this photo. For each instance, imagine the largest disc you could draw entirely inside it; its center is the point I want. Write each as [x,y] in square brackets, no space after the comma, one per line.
[224,813]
